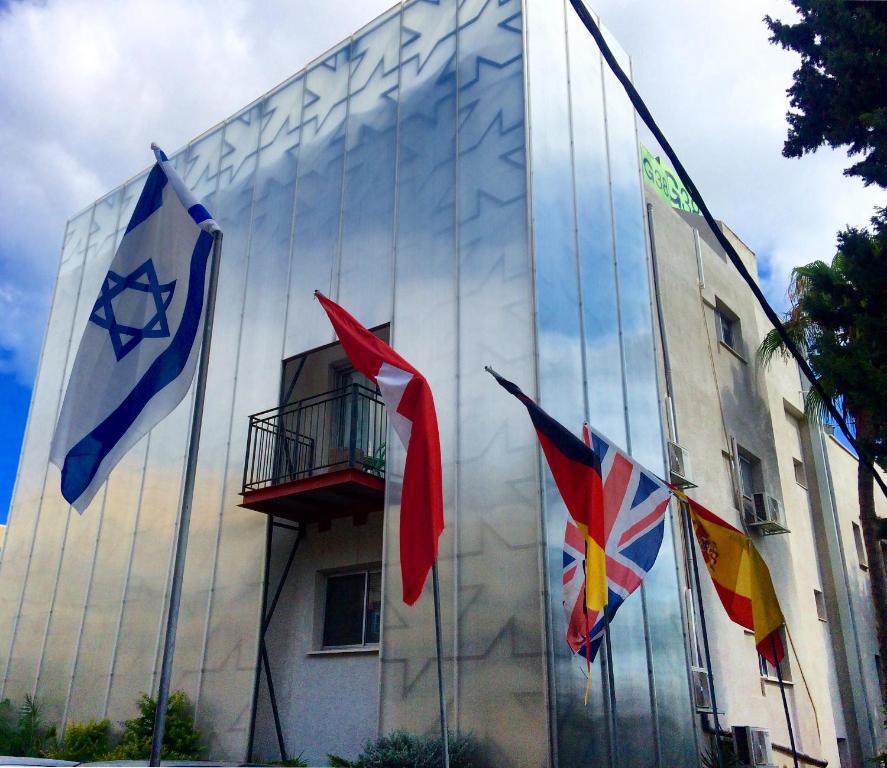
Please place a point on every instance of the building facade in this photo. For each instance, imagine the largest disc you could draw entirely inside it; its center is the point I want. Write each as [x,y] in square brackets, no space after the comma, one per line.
[745,437]
[464,178]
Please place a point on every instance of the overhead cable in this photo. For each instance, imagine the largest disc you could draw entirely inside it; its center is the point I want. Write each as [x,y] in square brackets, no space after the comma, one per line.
[642,110]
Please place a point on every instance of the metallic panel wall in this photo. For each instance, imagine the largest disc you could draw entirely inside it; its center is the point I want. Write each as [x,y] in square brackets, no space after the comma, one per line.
[393,174]
[597,361]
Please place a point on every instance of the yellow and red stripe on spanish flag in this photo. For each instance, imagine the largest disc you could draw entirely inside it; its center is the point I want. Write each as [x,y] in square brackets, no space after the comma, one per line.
[741,578]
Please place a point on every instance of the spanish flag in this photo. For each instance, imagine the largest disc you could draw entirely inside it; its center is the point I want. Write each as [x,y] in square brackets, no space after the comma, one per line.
[741,578]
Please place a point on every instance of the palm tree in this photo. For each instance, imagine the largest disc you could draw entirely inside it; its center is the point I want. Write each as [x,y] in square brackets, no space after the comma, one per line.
[839,315]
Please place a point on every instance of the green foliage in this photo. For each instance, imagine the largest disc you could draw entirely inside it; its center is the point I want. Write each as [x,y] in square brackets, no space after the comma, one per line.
[23,733]
[84,742]
[838,95]
[838,316]
[340,762]
[180,739]
[709,757]
[295,762]
[403,750]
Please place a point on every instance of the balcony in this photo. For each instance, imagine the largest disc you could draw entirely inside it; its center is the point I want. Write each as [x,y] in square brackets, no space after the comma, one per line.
[318,458]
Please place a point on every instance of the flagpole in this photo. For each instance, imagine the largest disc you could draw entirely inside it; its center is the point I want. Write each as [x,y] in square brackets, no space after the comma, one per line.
[691,544]
[788,720]
[175,594]
[438,635]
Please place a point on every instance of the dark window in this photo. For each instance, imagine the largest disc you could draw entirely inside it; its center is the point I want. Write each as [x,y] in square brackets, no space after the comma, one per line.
[728,327]
[353,609]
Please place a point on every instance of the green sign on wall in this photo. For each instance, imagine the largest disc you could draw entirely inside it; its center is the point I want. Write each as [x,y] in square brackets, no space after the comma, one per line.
[665,181]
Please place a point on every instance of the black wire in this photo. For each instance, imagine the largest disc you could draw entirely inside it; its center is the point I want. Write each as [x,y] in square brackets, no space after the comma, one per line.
[642,110]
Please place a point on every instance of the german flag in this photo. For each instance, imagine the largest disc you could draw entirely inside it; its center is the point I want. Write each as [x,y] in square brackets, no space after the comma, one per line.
[576,470]
[741,578]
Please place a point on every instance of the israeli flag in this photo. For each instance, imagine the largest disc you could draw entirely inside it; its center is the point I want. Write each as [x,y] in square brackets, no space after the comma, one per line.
[137,357]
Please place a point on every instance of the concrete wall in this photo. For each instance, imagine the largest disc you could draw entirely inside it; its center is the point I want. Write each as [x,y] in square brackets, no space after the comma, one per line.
[328,700]
[724,397]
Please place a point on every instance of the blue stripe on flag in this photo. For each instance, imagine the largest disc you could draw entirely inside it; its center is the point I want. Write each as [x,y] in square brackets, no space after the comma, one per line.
[199,213]
[151,198]
[83,460]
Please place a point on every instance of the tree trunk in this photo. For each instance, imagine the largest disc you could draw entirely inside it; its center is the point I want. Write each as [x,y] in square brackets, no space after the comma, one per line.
[877,571]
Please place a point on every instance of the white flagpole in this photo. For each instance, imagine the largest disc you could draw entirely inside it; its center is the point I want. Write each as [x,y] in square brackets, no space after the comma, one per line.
[175,595]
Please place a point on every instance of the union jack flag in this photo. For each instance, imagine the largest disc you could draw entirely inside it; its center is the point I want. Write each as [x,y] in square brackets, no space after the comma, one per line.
[634,504]
[615,526]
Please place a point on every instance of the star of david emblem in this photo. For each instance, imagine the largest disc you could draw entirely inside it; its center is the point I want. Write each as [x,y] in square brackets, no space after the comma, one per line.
[125,302]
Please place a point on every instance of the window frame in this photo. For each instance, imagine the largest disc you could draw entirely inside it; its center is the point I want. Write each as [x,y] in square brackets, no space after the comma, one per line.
[367,571]
[729,328]
[859,542]
[765,667]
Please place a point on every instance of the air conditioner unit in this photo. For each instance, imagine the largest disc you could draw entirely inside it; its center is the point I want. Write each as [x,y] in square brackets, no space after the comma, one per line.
[763,512]
[753,746]
[701,690]
[679,466]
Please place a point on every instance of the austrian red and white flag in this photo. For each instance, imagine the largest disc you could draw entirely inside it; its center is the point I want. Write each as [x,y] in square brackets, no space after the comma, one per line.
[410,407]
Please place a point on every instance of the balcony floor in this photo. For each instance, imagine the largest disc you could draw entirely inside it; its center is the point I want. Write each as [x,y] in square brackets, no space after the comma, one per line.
[320,498]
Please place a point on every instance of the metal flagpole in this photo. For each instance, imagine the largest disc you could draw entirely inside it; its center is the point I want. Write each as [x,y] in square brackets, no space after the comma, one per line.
[175,595]
[788,720]
[444,735]
[691,543]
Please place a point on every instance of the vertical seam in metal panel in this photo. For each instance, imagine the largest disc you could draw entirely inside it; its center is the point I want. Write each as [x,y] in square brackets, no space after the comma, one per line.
[336,261]
[83,612]
[225,467]
[648,647]
[132,546]
[541,550]
[611,703]
[95,547]
[26,436]
[581,306]
[290,259]
[392,327]
[457,353]
[46,473]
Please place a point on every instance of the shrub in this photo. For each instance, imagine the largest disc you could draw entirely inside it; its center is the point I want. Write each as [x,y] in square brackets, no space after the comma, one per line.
[83,742]
[403,750]
[181,741]
[23,732]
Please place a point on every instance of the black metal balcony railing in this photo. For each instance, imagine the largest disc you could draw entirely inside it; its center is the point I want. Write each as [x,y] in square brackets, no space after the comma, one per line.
[340,429]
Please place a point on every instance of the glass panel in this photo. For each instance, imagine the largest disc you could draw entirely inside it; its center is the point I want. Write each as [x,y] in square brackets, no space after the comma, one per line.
[373,621]
[501,692]
[343,616]
[424,330]
[318,200]
[365,282]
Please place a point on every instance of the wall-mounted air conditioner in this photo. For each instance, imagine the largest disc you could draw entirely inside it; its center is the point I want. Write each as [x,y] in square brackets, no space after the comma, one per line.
[753,746]
[679,466]
[701,690]
[763,513]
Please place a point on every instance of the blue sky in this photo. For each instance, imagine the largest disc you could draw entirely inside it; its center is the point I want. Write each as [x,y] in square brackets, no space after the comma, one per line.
[79,111]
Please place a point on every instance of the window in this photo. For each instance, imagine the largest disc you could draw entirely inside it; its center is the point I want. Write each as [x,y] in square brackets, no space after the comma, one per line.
[768,671]
[728,327]
[800,473]
[820,605]
[749,482]
[860,547]
[352,609]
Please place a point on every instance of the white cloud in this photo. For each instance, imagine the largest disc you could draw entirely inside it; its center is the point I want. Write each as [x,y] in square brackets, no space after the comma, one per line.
[86,85]
[716,86]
